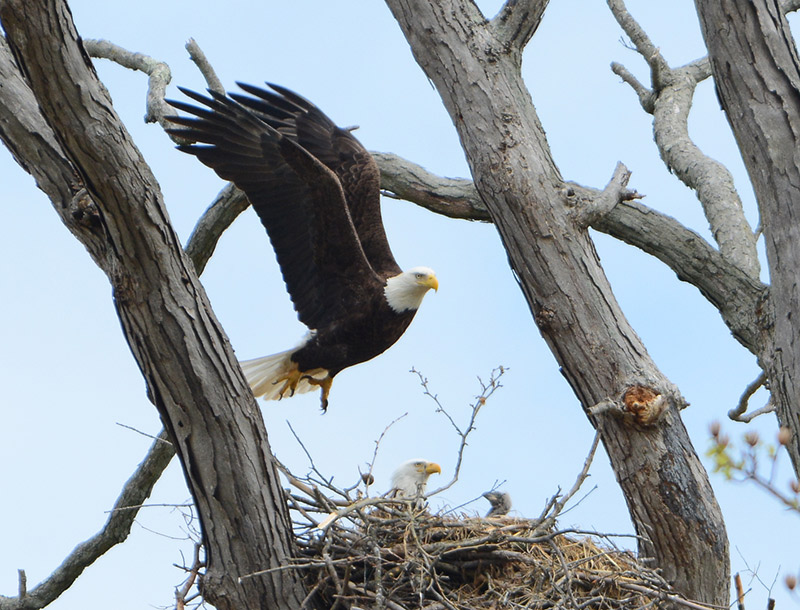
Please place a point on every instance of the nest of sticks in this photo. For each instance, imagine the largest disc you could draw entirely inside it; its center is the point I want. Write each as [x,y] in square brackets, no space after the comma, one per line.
[358,552]
[390,554]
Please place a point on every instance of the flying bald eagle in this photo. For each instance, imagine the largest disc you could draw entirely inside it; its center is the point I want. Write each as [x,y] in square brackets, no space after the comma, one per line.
[316,190]
[411,477]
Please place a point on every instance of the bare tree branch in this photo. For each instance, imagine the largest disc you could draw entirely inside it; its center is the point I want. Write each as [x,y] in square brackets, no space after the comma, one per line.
[229,203]
[557,503]
[738,296]
[789,6]
[646,96]
[159,73]
[136,490]
[737,413]
[487,389]
[205,67]
[614,193]
[452,197]
[640,39]
[670,102]
[517,22]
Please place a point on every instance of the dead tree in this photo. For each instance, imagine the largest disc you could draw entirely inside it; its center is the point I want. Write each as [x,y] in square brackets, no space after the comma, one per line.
[60,125]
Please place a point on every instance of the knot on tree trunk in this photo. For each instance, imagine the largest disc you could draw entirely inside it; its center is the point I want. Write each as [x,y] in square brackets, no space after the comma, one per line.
[644,405]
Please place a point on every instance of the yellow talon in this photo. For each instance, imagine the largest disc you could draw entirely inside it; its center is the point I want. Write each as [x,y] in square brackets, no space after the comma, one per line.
[324,383]
[291,379]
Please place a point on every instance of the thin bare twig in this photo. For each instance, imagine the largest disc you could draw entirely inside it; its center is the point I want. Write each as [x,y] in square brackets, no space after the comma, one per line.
[738,413]
[487,389]
[182,595]
[368,477]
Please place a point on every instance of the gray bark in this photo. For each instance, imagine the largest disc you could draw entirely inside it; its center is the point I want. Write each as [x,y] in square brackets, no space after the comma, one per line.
[757,74]
[474,64]
[83,158]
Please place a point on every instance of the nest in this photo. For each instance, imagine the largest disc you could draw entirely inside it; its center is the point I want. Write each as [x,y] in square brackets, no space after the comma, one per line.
[390,555]
[387,554]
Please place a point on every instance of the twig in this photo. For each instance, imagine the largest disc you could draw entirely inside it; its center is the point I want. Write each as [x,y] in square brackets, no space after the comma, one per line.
[738,413]
[154,437]
[194,572]
[23,583]
[206,69]
[487,389]
[555,506]
[377,446]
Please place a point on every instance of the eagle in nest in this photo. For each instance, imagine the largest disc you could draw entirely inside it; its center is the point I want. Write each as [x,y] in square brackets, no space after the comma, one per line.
[316,190]
[500,501]
[411,478]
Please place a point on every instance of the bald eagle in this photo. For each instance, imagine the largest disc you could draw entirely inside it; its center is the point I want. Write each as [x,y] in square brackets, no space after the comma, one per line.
[411,477]
[316,190]
[500,501]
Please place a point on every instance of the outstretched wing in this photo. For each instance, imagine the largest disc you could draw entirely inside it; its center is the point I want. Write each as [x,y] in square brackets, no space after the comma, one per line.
[298,199]
[301,121]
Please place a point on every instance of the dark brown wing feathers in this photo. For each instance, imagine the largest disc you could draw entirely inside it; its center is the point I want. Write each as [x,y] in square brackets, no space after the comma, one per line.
[299,200]
[300,120]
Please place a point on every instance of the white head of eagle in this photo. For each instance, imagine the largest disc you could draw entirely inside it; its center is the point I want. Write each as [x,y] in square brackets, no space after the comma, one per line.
[405,291]
[411,477]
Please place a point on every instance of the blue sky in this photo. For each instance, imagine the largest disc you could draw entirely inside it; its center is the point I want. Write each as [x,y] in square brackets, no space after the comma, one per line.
[69,378]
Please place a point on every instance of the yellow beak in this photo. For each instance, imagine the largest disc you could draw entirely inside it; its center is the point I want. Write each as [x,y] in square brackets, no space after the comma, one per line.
[432,282]
[433,466]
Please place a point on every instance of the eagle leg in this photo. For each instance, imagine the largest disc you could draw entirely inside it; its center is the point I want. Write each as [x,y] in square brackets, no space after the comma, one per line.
[290,381]
[324,383]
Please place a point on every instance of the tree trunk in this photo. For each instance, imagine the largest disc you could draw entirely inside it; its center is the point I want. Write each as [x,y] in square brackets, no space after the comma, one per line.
[757,74]
[475,65]
[107,196]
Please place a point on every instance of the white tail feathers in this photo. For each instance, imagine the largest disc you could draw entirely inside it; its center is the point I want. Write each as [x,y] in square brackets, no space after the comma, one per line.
[267,376]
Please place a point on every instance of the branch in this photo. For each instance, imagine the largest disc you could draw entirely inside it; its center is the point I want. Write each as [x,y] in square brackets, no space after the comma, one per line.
[615,192]
[640,39]
[711,180]
[670,102]
[487,389]
[556,505]
[229,203]
[34,146]
[646,96]
[159,73]
[206,69]
[452,197]
[737,414]
[739,297]
[517,22]
[736,295]
[789,6]
[136,490]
